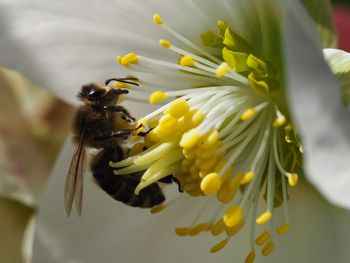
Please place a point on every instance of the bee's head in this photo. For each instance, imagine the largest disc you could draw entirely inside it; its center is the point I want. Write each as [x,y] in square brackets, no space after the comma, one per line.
[98,94]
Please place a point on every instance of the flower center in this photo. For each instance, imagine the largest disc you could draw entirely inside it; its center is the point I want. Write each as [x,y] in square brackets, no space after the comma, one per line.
[225,138]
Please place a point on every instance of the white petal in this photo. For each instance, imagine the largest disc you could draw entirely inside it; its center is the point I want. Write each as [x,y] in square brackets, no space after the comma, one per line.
[112,232]
[323,121]
[61,45]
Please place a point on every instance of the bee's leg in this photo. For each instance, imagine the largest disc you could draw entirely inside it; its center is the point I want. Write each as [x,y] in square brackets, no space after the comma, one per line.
[103,136]
[178,184]
[122,133]
[143,134]
[120,109]
[123,80]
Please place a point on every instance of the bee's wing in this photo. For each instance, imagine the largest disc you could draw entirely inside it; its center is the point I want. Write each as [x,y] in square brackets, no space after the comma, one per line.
[74,181]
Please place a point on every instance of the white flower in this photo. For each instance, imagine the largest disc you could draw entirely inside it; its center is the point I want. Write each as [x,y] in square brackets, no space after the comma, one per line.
[94,33]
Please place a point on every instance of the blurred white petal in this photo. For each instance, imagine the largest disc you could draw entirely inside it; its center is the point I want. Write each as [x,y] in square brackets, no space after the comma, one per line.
[321,13]
[323,121]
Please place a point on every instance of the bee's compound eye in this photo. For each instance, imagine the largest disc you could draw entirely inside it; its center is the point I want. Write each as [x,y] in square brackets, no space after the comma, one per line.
[95,94]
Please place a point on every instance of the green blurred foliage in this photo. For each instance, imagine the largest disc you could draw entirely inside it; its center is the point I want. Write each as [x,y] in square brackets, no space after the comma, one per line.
[342,2]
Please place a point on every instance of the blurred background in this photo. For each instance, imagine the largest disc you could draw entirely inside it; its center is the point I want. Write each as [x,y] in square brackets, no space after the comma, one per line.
[33,127]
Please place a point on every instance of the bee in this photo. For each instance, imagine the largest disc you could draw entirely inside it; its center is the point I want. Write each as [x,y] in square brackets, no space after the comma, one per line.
[97,124]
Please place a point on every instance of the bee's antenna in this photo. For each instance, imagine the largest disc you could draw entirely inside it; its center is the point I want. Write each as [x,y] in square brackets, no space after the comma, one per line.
[124,80]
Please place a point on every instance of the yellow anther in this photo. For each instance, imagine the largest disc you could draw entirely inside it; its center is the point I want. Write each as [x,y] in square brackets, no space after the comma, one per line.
[185,165]
[157,19]
[190,187]
[197,118]
[195,192]
[207,164]
[293,179]
[280,121]
[207,153]
[153,123]
[187,61]
[235,229]
[222,69]
[189,153]
[233,215]
[264,218]
[210,139]
[229,189]
[268,248]
[119,59]
[190,138]
[199,228]
[168,121]
[218,228]
[227,174]
[195,230]
[263,238]
[248,113]
[181,127]
[136,149]
[178,108]
[251,257]
[153,136]
[130,58]
[157,97]
[211,184]
[283,229]
[219,246]
[164,43]
[149,143]
[165,131]
[157,209]
[247,177]
[182,231]
[226,193]
[219,165]
[194,171]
